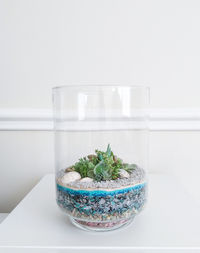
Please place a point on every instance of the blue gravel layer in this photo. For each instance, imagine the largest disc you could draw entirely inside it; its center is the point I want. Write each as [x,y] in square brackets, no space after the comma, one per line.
[99,192]
[102,205]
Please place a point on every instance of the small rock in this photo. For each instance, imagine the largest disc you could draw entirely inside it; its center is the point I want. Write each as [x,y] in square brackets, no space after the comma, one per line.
[123,173]
[86,179]
[102,201]
[70,177]
[69,169]
[87,208]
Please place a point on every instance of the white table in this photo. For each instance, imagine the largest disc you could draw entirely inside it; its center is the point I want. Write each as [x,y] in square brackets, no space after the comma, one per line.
[170,223]
[3,216]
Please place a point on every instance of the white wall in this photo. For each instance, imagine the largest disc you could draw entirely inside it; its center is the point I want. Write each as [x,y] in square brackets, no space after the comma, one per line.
[47,43]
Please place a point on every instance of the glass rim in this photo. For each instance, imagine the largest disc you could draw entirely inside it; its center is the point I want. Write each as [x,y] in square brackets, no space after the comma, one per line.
[104,85]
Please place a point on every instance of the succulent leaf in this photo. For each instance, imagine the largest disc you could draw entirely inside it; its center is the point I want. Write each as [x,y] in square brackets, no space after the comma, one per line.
[129,167]
[108,151]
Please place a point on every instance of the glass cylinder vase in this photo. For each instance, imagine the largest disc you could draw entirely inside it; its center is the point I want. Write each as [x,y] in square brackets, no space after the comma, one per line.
[101,153]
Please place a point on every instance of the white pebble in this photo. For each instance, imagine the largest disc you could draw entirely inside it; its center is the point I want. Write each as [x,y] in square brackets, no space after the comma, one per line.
[86,179]
[123,173]
[102,201]
[70,177]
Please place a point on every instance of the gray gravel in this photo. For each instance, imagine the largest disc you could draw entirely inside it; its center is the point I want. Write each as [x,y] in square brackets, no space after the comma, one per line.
[136,176]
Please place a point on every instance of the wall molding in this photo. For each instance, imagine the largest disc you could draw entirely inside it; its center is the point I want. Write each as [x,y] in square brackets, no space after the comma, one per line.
[184,119]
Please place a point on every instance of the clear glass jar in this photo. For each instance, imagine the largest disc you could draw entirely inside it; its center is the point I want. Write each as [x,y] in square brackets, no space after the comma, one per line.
[101,153]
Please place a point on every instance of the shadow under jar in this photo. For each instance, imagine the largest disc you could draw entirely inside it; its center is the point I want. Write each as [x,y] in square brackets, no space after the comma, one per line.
[101,153]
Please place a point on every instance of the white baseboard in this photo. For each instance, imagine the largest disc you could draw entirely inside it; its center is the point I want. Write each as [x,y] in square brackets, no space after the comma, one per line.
[41,120]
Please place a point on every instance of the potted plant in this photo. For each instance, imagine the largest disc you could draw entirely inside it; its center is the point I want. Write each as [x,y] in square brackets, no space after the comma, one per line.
[101,140]
[100,191]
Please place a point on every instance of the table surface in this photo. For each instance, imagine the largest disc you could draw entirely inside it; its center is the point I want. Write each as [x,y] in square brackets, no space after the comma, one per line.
[3,216]
[169,223]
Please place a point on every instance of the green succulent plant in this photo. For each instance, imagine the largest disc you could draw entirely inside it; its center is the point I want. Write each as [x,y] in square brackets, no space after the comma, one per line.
[102,165]
[129,167]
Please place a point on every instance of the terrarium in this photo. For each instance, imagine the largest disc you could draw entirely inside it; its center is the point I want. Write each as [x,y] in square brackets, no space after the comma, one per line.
[101,153]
